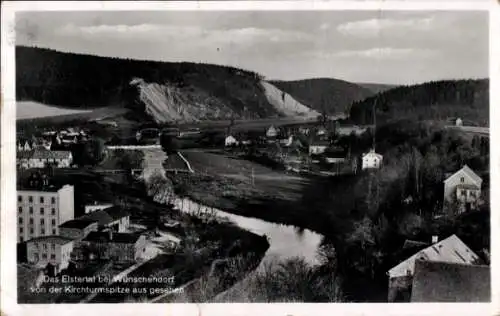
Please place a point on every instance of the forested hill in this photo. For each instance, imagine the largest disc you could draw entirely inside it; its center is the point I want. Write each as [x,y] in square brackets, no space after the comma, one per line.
[435,100]
[325,94]
[163,90]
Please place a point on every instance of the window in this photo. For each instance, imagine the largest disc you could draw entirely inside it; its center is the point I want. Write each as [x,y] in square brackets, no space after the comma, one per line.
[53,231]
[21,239]
[53,211]
[44,246]
[19,198]
[462,192]
[42,231]
[30,199]
[21,230]
[53,222]
[31,231]
[462,179]
[42,199]
[42,221]
[20,209]
[20,220]
[42,211]
[31,220]
[53,200]
[44,256]
[53,246]
[53,257]
[31,209]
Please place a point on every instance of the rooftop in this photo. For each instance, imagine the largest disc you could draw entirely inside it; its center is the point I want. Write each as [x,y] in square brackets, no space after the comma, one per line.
[451,249]
[450,282]
[53,239]
[106,216]
[42,188]
[125,238]
[78,223]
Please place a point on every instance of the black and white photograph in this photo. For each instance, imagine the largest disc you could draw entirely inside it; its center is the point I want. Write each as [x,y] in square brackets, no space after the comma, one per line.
[252,156]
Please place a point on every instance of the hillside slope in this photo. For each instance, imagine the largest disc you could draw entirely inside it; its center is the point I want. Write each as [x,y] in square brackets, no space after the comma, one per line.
[324,94]
[164,91]
[376,87]
[435,100]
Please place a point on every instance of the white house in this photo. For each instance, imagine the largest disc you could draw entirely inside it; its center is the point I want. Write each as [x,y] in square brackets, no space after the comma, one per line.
[271,132]
[463,187]
[371,160]
[230,141]
[458,122]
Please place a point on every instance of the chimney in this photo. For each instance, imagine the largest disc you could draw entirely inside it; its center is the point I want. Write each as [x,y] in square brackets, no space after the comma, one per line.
[434,239]
[110,234]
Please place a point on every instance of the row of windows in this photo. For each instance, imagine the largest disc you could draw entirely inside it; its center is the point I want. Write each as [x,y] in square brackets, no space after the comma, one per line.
[42,210]
[31,232]
[44,256]
[42,221]
[30,199]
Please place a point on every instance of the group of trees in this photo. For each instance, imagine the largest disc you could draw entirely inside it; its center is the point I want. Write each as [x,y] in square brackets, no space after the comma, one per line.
[435,100]
[85,81]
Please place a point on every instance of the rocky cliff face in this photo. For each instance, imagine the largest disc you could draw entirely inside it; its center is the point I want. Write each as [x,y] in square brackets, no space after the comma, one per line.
[166,103]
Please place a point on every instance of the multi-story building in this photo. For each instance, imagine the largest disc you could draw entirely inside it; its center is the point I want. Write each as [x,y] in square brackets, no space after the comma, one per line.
[54,250]
[40,211]
[120,247]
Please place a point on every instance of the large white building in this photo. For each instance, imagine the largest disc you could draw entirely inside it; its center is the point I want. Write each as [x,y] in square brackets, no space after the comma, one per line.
[41,211]
[371,160]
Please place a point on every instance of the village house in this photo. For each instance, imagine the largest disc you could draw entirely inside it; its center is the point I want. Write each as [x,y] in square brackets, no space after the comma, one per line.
[463,190]
[41,210]
[41,157]
[458,122]
[451,250]
[272,132]
[96,206]
[113,218]
[78,228]
[120,247]
[230,141]
[318,147]
[371,160]
[53,250]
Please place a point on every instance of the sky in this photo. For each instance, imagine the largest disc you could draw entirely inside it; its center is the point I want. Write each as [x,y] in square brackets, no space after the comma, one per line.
[393,47]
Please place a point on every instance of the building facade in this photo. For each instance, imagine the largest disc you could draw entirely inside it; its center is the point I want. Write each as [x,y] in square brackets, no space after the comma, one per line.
[55,250]
[40,212]
[462,191]
[41,157]
[371,160]
[119,247]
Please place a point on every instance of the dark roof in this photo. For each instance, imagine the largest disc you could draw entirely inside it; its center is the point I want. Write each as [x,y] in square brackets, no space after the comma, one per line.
[450,282]
[78,223]
[53,239]
[124,238]
[106,216]
[41,188]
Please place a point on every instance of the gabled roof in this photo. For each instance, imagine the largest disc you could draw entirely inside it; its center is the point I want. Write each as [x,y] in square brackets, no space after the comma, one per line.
[468,171]
[106,216]
[451,249]
[450,282]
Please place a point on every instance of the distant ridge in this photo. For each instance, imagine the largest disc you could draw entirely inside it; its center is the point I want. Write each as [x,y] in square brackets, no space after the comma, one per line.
[325,94]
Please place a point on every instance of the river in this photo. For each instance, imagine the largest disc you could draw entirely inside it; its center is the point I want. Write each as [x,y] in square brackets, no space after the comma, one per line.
[285,241]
